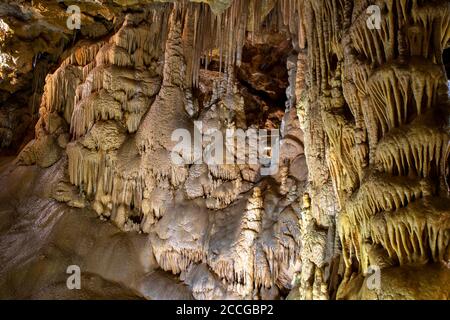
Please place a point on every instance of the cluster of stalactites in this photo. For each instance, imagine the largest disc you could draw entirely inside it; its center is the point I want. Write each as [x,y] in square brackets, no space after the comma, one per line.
[293,17]
[324,41]
[255,263]
[223,35]
[395,90]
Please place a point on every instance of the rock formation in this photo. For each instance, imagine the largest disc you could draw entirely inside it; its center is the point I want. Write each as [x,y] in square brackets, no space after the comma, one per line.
[121,149]
[378,97]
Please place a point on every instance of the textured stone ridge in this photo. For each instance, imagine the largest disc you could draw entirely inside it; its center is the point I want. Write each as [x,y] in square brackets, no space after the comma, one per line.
[106,117]
[379,99]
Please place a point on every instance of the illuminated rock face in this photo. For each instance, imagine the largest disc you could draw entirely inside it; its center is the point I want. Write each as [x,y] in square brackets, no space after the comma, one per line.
[360,197]
[106,119]
[378,98]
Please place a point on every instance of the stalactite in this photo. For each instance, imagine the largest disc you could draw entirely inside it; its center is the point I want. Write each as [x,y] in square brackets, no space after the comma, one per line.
[394,88]
[176,262]
[40,70]
[224,194]
[98,106]
[124,95]
[284,175]
[294,17]
[59,91]
[111,54]
[239,272]
[85,166]
[341,155]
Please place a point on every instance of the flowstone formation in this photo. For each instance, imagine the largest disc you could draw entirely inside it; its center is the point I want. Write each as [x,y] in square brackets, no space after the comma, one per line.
[34,35]
[350,97]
